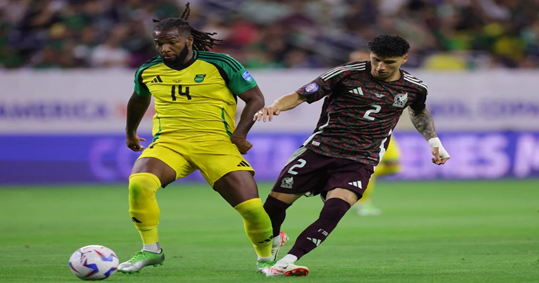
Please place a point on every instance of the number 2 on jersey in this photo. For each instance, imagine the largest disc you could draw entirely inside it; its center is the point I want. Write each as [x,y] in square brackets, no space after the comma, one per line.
[180,92]
[372,111]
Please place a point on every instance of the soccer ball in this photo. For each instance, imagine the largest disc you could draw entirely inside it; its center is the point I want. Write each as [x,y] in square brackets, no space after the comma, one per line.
[93,262]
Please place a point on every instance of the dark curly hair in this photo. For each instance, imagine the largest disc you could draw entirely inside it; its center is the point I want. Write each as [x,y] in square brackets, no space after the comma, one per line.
[202,41]
[389,45]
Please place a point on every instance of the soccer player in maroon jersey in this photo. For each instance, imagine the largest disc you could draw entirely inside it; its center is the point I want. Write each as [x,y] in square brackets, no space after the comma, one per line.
[363,103]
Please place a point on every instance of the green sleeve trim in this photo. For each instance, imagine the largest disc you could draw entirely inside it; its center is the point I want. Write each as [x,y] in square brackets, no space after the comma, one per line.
[140,88]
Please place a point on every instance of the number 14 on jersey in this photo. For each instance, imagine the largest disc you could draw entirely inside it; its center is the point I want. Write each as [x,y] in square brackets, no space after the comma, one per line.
[180,92]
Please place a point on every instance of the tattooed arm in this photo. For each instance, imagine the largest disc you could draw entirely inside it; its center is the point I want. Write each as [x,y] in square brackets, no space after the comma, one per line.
[424,124]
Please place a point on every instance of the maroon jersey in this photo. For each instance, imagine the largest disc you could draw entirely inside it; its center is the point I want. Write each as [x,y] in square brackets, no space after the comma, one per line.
[359,112]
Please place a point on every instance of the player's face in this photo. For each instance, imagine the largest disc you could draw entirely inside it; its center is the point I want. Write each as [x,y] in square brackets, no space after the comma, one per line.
[387,68]
[172,46]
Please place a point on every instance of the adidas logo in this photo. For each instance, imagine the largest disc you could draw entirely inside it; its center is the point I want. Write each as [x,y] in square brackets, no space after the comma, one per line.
[356,184]
[315,241]
[244,164]
[266,240]
[356,91]
[157,79]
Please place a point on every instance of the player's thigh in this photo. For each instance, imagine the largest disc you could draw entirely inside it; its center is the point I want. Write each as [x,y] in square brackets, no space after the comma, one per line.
[349,175]
[164,162]
[304,174]
[216,159]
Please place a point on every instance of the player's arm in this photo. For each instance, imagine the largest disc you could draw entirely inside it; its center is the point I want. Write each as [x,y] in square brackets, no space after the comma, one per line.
[136,108]
[311,92]
[254,100]
[424,124]
[283,103]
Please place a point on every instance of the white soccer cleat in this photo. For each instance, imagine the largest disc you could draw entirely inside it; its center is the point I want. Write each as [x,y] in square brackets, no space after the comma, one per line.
[287,269]
[278,243]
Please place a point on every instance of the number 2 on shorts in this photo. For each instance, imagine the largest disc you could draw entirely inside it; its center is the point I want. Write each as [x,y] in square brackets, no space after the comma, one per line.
[301,163]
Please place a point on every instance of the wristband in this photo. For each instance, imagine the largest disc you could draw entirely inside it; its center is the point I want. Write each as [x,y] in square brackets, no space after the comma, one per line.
[435,142]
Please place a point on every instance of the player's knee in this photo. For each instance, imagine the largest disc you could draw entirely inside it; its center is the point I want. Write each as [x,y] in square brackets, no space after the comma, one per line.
[334,209]
[143,185]
[251,209]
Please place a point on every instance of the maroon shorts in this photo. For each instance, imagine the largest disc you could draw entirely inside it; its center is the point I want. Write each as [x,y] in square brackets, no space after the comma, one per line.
[311,174]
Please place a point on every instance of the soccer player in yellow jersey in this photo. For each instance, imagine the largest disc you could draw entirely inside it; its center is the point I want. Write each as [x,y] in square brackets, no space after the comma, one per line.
[194,128]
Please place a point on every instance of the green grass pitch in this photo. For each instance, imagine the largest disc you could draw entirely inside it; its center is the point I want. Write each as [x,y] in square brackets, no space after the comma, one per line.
[449,231]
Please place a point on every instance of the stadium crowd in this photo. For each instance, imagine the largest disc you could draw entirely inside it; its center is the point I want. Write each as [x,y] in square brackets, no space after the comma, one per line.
[444,34]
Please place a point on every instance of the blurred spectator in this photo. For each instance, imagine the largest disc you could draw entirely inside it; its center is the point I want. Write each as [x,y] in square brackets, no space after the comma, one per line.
[110,53]
[444,34]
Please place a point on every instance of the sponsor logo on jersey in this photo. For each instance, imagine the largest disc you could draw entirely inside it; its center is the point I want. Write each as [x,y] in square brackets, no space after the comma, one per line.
[200,78]
[247,76]
[312,88]
[357,90]
[400,100]
[157,79]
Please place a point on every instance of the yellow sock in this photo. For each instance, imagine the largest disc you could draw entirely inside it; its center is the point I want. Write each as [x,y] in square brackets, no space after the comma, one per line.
[257,225]
[143,206]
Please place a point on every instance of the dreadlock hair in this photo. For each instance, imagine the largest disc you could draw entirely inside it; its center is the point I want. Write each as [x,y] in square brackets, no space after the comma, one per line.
[202,41]
[388,45]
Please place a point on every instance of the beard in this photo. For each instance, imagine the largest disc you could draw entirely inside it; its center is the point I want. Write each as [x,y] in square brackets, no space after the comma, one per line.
[180,58]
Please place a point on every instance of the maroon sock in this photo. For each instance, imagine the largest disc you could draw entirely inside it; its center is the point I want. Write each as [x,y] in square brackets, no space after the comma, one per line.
[276,210]
[332,212]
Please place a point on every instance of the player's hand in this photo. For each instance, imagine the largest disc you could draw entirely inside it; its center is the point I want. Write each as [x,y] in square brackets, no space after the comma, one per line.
[438,159]
[438,151]
[266,113]
[242,143]
[133,142]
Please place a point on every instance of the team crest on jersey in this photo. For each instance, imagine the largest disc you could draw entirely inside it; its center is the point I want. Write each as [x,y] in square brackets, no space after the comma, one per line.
[200,78]
[247,76]
[312,88]
[400,100]
[287,182]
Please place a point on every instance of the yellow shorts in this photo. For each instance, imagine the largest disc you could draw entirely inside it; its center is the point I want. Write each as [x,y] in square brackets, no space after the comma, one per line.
[392,153]
[214,159]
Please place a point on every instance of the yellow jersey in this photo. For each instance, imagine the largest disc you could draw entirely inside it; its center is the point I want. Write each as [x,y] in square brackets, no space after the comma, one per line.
[198,101]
